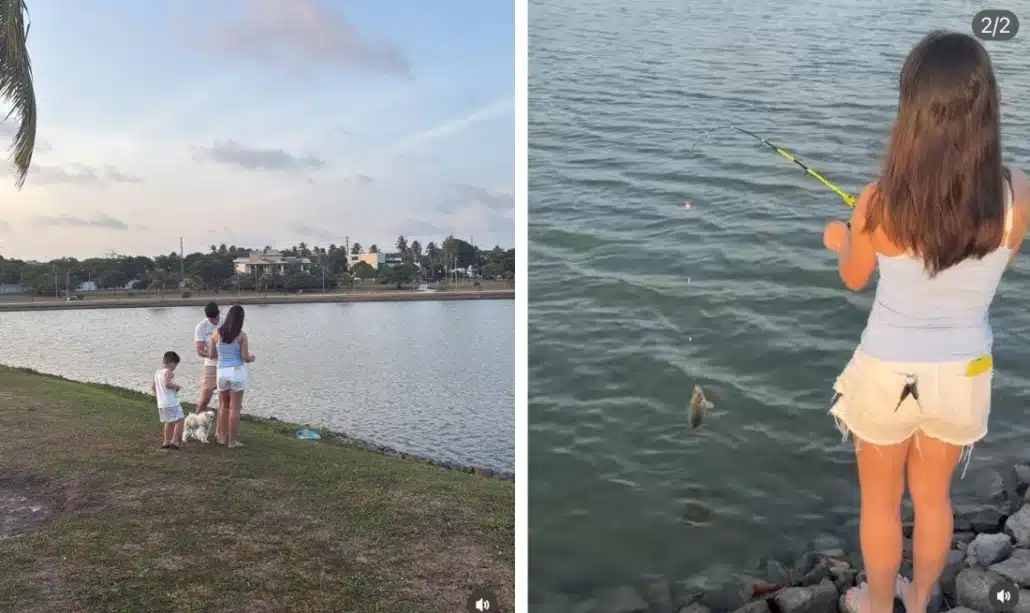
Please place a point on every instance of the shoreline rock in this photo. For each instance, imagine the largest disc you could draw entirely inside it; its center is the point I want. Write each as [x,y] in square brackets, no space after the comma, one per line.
[991,542]
[346,439]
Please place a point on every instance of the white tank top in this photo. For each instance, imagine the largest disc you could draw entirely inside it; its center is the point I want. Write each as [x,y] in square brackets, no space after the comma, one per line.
[166,398]
[918,319]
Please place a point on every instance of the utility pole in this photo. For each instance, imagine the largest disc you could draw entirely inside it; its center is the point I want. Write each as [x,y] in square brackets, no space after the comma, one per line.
[68,284]
[57,289]
[182,266]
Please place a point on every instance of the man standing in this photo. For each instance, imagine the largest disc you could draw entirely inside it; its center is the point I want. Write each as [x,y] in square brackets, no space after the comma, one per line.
[208,378]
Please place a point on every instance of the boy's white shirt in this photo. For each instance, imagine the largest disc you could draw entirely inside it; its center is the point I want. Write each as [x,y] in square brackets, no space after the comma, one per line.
[171,399]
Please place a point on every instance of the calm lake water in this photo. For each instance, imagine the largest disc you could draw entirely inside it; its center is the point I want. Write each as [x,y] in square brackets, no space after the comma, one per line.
[635,299]
[431,378]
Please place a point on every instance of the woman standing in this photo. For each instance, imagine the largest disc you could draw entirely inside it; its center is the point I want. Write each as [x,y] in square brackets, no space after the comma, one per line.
[230,347]
[941,223]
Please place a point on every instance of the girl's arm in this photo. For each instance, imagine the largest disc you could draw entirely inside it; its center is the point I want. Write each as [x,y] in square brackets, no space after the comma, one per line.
[245,348]
[856,253]
[1020,210]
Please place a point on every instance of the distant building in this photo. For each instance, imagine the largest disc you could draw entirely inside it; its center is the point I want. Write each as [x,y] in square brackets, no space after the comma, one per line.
[393,259]
[11,288]
[467,271]
[269,262]
[375,260]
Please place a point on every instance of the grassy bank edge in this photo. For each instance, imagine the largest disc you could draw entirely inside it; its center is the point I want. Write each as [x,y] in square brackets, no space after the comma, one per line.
[40,575]
[288,428]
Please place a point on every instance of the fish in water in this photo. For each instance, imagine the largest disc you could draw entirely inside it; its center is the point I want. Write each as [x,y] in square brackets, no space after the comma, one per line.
[699,406]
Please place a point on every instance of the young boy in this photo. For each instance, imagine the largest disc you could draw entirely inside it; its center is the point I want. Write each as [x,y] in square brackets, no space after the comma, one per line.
[168,407]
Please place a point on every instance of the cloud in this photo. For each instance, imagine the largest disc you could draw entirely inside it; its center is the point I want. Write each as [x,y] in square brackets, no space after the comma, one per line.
[422,227]
[233,153]
[449,127]
[365,180]
[8,130]
[467,210]
[403,149]
[493,200]
[97,220]
[316,233]
[301,34]
[476,218]
[74,174]
[113,174]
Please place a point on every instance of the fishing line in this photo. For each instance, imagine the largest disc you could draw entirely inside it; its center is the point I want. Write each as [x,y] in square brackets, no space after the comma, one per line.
[845,196]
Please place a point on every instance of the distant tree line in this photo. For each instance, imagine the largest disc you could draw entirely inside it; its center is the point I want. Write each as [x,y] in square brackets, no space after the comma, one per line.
[215,270]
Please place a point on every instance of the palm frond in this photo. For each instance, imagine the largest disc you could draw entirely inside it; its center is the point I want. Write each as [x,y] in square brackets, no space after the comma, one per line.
[16,84]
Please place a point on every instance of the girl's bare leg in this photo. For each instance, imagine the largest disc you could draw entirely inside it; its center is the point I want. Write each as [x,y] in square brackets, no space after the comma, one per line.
[222,423]
[236,403]
[168,433]
[931,464]
[881,476]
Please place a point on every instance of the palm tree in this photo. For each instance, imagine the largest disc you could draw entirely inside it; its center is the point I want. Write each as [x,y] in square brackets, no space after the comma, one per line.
[16,83]
[355,249]
[433,253]
[416,258]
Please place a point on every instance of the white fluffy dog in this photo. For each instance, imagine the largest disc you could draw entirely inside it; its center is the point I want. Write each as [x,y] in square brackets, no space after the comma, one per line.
[197,426]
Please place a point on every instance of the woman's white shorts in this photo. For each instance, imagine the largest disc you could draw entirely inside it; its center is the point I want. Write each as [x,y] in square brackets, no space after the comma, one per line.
[948,401]
[232,379]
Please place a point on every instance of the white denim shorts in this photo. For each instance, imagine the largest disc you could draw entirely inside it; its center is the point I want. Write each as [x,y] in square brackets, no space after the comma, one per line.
[950,401]
[232,379]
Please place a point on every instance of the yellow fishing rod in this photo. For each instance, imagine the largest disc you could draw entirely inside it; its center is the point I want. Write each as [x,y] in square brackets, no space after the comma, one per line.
[848,198]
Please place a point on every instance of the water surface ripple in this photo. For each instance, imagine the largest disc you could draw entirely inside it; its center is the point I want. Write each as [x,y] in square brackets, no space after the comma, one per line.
[633,299]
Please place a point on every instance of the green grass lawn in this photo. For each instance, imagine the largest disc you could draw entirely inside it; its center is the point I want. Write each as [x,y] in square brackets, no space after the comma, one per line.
[281,525]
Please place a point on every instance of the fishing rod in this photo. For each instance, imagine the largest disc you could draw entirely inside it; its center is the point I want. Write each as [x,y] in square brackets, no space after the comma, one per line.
[848,198]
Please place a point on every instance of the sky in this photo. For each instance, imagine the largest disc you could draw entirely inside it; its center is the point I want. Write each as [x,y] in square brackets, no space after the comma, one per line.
[264,122]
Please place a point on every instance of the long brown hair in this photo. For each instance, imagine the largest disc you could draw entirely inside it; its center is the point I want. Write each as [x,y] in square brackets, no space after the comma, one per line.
[941,194]
[233,324]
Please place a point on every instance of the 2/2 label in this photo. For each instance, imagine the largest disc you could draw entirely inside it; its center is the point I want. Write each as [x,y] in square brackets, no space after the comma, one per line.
[995,24]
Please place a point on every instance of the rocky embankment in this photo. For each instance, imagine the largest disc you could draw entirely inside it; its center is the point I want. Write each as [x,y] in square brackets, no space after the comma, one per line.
[991,543]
